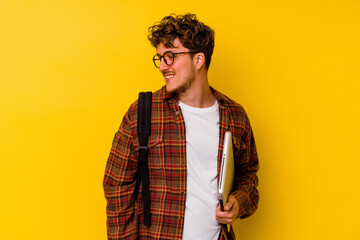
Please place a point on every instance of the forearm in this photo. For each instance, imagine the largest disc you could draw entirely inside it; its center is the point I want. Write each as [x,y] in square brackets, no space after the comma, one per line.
[247,198]
[119,184]
[246,180]
[119,214]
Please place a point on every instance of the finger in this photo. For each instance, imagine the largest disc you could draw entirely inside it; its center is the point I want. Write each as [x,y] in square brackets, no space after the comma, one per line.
[224,220]
[228,205]
[218,209]
[224,215]
[219,213]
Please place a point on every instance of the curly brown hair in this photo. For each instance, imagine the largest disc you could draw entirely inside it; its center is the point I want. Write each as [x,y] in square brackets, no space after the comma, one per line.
[194,35]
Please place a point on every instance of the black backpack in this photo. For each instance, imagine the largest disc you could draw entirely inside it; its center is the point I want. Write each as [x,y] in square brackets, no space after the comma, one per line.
[144,130]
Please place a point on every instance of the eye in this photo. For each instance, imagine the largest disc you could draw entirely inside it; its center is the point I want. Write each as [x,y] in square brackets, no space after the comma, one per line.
[169,57]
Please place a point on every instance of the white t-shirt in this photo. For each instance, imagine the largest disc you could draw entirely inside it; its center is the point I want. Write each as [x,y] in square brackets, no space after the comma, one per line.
[202,141]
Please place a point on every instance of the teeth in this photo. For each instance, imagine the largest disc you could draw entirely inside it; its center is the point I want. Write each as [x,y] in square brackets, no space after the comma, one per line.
[170,76]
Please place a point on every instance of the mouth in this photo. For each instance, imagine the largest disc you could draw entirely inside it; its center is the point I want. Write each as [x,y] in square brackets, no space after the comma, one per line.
[169,76]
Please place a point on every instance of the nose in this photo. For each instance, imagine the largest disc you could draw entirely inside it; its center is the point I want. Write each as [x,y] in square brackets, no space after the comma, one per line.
[163,65]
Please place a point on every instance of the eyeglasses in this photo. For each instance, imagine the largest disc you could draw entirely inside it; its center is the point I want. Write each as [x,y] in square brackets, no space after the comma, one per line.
[168,58]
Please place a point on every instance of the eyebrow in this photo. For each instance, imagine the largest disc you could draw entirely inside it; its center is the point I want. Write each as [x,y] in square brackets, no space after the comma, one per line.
[159,55]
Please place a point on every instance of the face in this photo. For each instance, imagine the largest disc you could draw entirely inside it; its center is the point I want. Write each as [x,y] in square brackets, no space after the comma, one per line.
[180,75]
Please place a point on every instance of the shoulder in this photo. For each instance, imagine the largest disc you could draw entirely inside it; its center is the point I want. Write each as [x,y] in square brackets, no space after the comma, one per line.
[235,109]
[235,114]
[157,99]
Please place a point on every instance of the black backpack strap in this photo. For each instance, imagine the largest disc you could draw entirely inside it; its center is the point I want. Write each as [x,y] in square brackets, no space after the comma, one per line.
[144,130]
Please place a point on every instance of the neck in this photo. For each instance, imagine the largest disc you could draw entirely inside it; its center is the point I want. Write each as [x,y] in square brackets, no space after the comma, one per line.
[199,94]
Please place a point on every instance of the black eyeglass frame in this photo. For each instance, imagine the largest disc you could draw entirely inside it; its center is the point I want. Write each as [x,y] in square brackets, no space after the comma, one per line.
[173,57]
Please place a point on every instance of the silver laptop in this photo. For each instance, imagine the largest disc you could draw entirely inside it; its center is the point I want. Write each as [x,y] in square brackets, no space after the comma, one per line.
[226,171]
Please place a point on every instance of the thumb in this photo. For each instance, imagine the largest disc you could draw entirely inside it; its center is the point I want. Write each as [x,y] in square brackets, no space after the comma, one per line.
[218,209]
[228,205]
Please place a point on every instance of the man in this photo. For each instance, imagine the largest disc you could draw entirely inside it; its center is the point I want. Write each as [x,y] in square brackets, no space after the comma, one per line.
[189,120]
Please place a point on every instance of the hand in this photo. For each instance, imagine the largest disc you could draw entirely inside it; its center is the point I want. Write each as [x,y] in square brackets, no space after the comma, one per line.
[230,213]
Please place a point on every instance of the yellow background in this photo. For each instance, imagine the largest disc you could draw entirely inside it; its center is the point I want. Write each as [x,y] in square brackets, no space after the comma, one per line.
[70,69]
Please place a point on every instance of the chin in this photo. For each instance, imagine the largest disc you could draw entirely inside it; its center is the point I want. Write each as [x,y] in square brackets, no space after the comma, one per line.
[170,89]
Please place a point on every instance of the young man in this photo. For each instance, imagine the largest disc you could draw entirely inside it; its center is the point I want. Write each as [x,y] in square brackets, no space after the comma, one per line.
[189,120]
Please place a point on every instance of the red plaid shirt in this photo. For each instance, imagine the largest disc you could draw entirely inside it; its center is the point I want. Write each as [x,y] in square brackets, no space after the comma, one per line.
[167,170]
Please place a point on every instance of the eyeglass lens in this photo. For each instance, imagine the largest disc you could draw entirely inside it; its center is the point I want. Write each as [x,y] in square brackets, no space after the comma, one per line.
[168,58]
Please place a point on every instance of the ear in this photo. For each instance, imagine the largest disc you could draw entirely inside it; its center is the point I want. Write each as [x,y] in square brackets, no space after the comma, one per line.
[199,60]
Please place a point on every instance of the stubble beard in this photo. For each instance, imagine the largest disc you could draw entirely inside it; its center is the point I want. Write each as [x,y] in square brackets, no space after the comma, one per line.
[190,78]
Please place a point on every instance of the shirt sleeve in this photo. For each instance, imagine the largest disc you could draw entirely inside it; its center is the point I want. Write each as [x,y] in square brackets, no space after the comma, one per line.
[119,184]
[246,180]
